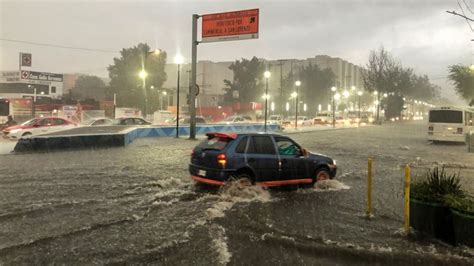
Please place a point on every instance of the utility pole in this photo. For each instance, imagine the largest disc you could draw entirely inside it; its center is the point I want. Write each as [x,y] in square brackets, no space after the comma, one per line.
[281,62]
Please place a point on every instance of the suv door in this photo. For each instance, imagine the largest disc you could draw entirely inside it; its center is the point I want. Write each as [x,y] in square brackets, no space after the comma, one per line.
[292,165]
[262,158]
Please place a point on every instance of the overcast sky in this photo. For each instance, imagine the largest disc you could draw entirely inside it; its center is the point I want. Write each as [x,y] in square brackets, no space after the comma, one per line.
[419,33]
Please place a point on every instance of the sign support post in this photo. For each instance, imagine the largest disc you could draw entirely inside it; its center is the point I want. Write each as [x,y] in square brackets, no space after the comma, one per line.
[218,27]
[192,101]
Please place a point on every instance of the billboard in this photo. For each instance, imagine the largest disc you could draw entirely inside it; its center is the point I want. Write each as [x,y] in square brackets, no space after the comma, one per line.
[230,26]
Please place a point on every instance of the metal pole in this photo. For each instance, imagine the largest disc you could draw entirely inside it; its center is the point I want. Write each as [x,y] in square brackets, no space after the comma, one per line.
[266,103]
[407,200]
[333,112]
[161,102]
[378,107]
[359,111]
[115,103]
[33,104]
[192,105]
[177,105]
[296,114]
[369,188]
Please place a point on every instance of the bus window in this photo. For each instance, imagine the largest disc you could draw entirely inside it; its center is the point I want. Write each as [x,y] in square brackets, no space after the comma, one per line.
[446,116]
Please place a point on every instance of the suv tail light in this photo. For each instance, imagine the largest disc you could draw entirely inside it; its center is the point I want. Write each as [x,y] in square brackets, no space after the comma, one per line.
[459,130]
[430,128]
[221,160]
[192,153]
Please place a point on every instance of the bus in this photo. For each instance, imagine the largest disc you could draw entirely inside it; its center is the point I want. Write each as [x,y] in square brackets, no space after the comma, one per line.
[5,110]
[449,123]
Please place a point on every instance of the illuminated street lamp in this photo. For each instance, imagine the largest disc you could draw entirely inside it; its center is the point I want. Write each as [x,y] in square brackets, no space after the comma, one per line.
[142,74]
[164,93]
[267,75]
[178,60]
[353,88]
[297,84]
[346,94]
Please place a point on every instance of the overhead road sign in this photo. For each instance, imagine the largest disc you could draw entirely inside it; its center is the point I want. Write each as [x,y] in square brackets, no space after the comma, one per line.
[230,26]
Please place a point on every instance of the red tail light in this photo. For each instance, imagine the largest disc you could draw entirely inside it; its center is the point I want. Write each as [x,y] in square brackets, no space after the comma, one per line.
[222,160]
[459,130]
[192,153]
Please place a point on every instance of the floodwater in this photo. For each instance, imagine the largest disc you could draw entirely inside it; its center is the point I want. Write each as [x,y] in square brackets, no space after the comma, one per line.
[138,205]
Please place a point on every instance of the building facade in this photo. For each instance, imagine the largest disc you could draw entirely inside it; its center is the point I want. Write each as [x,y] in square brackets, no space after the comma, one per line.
[21,84]
[211,76]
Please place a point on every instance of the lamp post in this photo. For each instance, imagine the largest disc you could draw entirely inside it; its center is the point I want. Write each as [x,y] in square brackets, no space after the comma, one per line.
[163,95]
[359,93]
[142,74]
[333,89]
[297,84]
[267,75]
[178,60]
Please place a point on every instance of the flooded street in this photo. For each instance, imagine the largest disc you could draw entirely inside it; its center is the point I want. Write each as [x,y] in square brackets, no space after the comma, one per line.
[139,205]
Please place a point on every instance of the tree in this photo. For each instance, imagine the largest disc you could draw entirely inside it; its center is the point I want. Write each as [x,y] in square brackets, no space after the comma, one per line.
[89,87]
[247,84]
[462,78]
[315,85]
[127,84]
[386,75]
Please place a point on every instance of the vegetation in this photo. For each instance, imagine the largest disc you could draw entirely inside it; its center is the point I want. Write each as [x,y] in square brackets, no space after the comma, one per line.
[248,83]
[461,203]
[463,81]
[386,75]
[89,87]
[436,186]
[127,84]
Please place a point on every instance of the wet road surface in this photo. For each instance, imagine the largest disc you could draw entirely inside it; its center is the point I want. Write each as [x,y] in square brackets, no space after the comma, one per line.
[138,205]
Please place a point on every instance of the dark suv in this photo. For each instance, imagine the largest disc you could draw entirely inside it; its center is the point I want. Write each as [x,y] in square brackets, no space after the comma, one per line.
[264,159]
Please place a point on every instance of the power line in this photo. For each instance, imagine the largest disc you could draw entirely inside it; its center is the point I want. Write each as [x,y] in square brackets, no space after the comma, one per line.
[464,15]
[467,6]
[58,46]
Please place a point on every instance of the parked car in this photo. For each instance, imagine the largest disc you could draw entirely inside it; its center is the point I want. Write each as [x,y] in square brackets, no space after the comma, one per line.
[322,119]
[99,122]
[236,120]
[186,120]
[302,121]
[264,159]
[131,121]
[275,119]
[38,126]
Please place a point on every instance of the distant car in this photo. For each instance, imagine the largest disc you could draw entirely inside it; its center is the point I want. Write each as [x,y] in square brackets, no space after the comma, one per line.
[100,122]
[131,121]
[322,119]
[262,159]
[38,126]
[236,120]
[275,119]
[302,121]
[186,120]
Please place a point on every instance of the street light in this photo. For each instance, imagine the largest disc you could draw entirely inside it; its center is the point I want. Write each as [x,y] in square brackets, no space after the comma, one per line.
[346,94]
[267,75]
[163,95]
[142,74]
[178,60]
[297,84]
[359,93]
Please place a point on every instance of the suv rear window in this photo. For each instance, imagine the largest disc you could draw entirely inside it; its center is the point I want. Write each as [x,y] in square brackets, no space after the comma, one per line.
[214,143]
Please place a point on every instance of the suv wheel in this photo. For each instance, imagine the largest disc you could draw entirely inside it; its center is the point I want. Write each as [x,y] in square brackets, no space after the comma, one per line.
[321,174]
